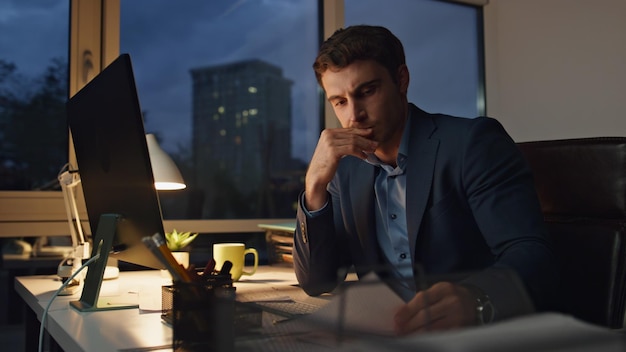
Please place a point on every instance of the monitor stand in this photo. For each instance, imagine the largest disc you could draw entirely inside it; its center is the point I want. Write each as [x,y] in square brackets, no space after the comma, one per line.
[89,299]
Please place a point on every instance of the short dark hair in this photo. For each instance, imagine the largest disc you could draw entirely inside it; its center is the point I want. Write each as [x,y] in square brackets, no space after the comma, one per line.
[360,42]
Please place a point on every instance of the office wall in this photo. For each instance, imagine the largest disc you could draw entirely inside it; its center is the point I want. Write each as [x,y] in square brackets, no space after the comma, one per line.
[556,68]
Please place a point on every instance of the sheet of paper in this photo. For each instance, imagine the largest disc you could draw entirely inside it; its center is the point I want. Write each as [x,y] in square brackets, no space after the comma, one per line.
[364,307]
[553,332]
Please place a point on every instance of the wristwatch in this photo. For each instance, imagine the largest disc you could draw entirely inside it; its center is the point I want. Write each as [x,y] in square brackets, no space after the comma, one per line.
[485,311]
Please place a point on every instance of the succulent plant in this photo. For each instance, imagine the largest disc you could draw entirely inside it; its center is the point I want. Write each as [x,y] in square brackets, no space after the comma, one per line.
[176,241]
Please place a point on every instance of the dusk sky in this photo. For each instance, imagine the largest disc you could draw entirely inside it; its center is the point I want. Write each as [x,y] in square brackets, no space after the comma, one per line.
[166,39]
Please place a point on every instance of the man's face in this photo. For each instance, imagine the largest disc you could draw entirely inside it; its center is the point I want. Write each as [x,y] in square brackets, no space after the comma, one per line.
[364,95]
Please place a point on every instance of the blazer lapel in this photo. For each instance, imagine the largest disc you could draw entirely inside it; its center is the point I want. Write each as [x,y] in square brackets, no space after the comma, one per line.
[419,173]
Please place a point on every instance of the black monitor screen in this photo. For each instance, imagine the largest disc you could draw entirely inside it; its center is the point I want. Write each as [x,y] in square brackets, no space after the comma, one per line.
[107,129]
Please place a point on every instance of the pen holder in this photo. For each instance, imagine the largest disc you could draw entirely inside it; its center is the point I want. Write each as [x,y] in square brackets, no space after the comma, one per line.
[201,314]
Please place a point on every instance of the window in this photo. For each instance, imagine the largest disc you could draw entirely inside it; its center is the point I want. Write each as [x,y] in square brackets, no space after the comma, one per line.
[238,70]
[228,89]
[443,48]
[33,91]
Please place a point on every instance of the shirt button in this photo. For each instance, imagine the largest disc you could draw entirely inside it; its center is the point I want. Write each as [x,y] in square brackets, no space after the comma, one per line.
[403,256]
[393,216]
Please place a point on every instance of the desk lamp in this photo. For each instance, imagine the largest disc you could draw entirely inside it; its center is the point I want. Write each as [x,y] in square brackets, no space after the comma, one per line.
[166,174]
[166,177]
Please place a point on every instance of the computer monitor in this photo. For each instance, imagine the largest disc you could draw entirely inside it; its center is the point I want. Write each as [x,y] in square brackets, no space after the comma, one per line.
[107,130]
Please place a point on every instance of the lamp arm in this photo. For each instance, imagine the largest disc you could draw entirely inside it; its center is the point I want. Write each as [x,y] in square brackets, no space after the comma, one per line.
[69,180]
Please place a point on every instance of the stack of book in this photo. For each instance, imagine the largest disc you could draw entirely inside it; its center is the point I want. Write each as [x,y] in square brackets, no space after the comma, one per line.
[279,239]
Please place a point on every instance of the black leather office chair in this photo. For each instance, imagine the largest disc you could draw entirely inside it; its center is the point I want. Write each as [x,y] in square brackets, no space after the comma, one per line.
[581,184]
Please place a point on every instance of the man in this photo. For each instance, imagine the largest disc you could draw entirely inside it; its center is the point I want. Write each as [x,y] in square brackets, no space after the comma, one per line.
[405,192]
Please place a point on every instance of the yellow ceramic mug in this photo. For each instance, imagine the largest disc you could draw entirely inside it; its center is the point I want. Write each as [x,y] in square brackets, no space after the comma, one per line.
[236,254]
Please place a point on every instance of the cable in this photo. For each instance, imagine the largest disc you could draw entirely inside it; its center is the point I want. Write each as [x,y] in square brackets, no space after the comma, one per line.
[45,311]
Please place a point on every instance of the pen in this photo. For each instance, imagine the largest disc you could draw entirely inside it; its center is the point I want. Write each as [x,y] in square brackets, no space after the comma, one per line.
[210,266]
[172,263]
[167,254]
[150,244]
[226,267]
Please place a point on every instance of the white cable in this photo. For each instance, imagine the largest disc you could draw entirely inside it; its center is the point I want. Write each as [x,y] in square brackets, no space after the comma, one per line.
[45,311]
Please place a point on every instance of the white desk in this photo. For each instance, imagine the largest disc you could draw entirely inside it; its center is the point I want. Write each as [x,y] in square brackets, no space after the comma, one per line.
[131,330]
[126,329]
[93,331]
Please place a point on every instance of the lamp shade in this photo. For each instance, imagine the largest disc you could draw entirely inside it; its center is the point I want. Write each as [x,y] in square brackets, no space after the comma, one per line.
[166,174]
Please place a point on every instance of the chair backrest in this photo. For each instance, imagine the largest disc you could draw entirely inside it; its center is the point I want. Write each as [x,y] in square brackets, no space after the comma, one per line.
[581,184]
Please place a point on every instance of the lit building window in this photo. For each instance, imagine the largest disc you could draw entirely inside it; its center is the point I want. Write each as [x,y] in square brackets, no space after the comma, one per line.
[252,90]
[222,133]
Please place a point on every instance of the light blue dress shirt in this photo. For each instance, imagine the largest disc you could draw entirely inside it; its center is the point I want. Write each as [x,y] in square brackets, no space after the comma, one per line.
[391,222]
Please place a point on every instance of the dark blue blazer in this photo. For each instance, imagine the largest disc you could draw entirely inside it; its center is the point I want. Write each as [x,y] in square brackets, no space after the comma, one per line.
[471,206]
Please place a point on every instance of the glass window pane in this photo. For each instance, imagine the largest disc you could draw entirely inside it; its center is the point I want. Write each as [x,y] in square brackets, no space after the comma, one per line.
[33,92]
[442,48]
[228,89]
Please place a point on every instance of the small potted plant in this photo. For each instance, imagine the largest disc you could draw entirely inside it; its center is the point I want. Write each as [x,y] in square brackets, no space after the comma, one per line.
[177,242]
